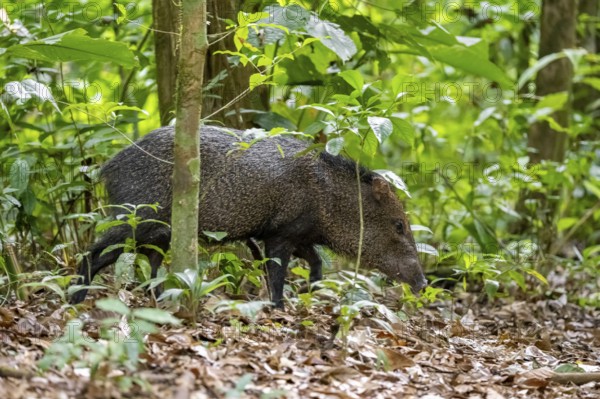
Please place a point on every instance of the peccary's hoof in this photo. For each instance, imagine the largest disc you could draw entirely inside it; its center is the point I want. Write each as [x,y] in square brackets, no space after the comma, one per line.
[304,288]
[78,297]
[278,305]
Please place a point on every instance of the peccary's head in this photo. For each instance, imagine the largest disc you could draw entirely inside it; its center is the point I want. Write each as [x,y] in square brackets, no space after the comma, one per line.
[388,241]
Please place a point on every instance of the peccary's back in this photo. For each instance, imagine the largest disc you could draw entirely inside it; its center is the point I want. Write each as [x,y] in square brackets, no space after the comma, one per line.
[247,193]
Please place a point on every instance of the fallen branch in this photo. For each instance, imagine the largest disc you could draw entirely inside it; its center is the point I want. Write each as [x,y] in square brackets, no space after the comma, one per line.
[14,373]
[575,378]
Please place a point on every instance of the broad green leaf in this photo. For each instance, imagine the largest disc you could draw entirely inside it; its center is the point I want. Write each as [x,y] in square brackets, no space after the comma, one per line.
[554,101]
[215,235]
[370,144]
[394,180]
[302,272]
[209,286]
[405,130]
[565,223]
[354,79]
[382,127]
[257,79]
[491,287]
[157,316]
[335,146]
[470,61]
[28,89]
[594,82]
[113,305]
[592,188]
[426,249]
[332,37]
[75,45]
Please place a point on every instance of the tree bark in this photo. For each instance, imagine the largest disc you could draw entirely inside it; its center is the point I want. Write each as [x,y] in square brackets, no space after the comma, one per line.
[186,171]
[558,26]
[166,36]
[557,33]
[234,79]
[584,95]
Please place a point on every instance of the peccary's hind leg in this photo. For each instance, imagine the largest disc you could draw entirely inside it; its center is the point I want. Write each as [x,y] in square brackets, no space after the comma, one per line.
[94,261]
[276,272]
[254,249]
[309,254]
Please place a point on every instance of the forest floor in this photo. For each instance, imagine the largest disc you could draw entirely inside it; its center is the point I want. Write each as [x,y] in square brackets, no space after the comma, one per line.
[467,348]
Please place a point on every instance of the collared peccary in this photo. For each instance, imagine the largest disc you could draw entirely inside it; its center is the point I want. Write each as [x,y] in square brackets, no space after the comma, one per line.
[275,190]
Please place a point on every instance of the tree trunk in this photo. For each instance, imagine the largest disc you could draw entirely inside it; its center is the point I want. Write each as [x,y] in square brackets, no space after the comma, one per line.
[230,80]
[186,170]
[584,95]
[166,35]
[558,23]
[557,33]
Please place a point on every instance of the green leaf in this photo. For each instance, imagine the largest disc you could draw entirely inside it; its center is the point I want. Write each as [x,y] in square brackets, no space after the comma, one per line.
[470,61]
[75,45]
[215,235]
[565,223]
[569,368]
[537,275]
[28,89]
[419,227]
[405,130]
[157,316]
[535,68]
[394,180]
[122,12]
[354,79]
[302,272]
[592,188]
[257,79]
[113,305]
[518,278]
[19,176]
[382,127]
[491,287]
[335,146]
[332,37]
[554,101]
[426,249]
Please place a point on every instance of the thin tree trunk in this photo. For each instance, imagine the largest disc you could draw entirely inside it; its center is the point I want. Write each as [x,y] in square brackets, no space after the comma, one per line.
[166,36]
[186,171]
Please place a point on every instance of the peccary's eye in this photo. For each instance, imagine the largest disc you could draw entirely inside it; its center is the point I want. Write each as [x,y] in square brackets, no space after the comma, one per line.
[400,227]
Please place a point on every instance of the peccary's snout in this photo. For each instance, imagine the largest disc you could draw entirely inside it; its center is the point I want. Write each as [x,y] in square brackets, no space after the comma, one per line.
[419,284]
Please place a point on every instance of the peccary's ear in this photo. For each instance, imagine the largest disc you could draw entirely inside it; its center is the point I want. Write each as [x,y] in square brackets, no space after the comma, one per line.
[381,188]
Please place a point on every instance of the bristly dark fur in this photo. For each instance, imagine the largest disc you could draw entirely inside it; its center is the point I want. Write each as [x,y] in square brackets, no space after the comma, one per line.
[277,191]
[348,166]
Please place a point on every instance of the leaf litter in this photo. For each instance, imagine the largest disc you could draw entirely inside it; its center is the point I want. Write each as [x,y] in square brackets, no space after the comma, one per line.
[461,349]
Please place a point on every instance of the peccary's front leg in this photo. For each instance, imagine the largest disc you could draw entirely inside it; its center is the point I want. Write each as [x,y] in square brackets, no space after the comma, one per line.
[276,271]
